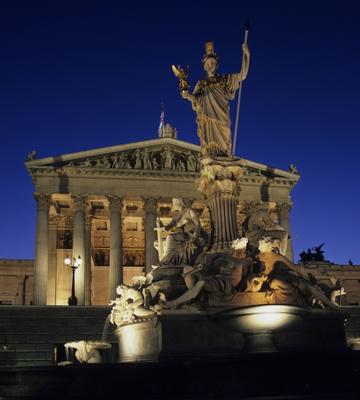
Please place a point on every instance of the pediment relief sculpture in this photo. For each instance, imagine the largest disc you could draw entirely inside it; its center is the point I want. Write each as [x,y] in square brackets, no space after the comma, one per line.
[161,158]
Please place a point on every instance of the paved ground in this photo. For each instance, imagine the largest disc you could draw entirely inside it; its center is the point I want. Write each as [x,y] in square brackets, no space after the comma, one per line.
[259,376]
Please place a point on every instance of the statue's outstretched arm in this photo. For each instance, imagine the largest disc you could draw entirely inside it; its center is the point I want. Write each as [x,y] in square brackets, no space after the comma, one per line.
[188,96]
[173,223]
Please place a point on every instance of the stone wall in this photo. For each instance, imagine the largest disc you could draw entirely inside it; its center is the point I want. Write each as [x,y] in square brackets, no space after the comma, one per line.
[16,281]
[348,275]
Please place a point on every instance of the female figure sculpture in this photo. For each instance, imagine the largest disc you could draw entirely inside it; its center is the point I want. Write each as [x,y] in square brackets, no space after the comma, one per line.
[184,234]
[210,100]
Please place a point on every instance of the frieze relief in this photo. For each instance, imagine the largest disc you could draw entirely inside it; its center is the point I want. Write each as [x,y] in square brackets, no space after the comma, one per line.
[101,241]
[69,220]
[133,239]
[54,220]
[164,158]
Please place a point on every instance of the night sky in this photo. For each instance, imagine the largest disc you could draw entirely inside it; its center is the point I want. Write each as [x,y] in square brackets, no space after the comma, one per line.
[93,75]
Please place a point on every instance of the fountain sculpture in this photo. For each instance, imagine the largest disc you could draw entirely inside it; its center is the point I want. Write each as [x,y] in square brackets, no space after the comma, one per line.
[233,290]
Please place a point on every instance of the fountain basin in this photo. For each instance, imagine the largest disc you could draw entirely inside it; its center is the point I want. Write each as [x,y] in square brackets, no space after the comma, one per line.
[140,342]
[265,318]
[87,351]
[273,328]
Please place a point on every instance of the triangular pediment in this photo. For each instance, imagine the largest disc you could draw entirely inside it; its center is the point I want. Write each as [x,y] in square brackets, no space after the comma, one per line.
[151,155]
[158,154]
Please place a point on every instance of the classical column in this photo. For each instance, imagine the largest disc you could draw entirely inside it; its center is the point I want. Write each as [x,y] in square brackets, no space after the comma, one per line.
[41,248]
[151,255]
[79,245]
[115,270]
[283,212]
[88,219]
[51,291]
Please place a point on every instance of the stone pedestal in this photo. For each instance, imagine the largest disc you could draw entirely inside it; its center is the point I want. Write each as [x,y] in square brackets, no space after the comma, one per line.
[219,182]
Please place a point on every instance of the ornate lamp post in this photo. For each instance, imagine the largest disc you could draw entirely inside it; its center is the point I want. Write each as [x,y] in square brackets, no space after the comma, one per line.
[76,262]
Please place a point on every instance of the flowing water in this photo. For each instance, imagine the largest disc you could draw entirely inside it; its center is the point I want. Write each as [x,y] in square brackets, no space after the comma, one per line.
[67,352]
[106,328]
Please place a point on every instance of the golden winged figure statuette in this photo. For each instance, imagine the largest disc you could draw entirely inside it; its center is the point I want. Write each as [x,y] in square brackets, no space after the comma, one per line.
[182,76]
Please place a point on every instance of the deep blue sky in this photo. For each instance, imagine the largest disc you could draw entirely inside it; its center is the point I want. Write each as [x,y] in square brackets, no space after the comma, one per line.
[91,75]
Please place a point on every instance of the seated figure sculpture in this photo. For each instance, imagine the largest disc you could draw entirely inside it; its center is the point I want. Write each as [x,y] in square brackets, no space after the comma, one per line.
[259,225]
[221,278]
[283,281]
[267,271]
[185,236]
[255,264]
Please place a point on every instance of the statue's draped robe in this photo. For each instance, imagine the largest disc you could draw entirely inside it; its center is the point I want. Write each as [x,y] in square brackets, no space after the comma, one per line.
[179,247]
[211,105]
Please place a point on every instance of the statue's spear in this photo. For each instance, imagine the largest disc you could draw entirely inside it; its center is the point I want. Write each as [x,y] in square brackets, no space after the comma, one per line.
[159,229]
[247,29]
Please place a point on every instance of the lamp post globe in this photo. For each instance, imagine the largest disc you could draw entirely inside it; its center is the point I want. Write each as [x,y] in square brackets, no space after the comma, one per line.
[76,262]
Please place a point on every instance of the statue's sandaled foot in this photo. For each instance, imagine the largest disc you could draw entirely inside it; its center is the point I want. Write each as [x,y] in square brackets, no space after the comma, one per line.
[163,304]
[170,305]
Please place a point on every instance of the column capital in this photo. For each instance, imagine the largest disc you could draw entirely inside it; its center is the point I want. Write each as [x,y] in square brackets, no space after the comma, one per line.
[283,208]
[115,202]
[79,201]
[42,200]
[249,207]
[150,204]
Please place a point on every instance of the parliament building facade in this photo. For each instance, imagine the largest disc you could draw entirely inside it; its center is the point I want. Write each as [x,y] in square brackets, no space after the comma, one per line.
[102,205]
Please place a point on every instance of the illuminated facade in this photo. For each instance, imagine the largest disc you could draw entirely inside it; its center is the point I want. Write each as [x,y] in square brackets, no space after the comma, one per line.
[102,205]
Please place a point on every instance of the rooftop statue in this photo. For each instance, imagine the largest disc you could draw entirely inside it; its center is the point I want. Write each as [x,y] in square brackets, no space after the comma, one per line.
[31,156]
[316,255]
[210,100]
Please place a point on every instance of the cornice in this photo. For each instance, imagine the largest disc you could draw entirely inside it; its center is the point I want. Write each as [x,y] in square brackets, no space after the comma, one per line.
[37,171]
[100,172]
[109,157]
